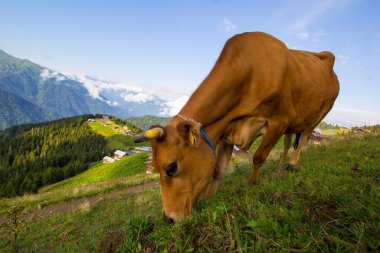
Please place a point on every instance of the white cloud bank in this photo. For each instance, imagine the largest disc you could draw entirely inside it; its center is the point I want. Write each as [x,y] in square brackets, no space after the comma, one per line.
[47,74]
[302,35]
[130,93]
[227,26]
[173,107]
[352,117]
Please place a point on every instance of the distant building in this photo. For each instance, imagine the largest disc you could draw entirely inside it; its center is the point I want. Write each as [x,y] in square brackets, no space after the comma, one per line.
[119,154]
[105,117]
[91,120]
[142,149]
[149,164]
[128,152]
[108,159]
[106,123]
[318,137]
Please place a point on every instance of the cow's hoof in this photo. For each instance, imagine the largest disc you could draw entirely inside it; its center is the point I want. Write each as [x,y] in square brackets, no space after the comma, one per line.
[288,167]
[253,182]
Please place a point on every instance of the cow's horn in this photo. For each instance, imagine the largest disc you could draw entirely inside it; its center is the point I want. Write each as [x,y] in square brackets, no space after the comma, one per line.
[153,133]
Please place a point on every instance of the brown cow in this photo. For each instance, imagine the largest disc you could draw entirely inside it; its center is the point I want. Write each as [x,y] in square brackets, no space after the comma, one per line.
[257,87]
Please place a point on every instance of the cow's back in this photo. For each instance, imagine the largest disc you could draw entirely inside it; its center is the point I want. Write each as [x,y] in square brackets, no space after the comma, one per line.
[313,87]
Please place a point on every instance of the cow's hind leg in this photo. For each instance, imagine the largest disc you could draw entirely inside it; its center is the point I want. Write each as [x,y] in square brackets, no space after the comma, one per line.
[305,136]
[272,134]
[284,155]
[222,160]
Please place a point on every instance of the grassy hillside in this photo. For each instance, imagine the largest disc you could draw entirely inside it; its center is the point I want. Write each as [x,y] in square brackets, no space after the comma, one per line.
[329,203]
[100,178]
[128,166]
[115,138]
[144,122]
[32,156]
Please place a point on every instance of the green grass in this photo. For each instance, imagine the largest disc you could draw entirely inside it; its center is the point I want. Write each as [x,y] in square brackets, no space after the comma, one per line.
[106,131]
[335,131]
[128,166]
[115,139]
[330,202]
[100,178]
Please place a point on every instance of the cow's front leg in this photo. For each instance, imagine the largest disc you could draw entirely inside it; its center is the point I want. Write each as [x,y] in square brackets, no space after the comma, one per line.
[222,159]
[272,134]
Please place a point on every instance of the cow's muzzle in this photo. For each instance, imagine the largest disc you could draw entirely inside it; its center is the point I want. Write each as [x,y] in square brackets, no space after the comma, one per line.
[168,220]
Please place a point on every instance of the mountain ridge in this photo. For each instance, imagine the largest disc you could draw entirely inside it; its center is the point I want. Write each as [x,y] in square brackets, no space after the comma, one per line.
[55,94]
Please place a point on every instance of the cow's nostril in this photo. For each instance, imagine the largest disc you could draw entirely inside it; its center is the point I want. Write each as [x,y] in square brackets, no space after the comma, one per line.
[168,220]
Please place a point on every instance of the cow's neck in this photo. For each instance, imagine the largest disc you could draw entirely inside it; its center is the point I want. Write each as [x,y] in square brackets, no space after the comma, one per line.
[210,105]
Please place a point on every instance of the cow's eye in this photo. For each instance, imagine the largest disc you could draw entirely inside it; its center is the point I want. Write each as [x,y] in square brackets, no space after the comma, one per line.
[171,169]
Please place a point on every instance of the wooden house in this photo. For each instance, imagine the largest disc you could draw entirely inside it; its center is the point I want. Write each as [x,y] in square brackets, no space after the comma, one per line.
[108,159]
[118,154]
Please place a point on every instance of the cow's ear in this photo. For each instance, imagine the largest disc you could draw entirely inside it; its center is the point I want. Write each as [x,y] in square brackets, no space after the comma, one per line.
[189,132]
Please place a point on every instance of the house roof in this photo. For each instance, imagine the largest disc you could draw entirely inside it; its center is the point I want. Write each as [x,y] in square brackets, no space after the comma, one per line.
[129,152]
[108,158]
[143,148]
[120,153]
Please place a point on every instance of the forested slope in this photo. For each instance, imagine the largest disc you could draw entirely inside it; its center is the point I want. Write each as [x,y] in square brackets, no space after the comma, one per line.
[35,155]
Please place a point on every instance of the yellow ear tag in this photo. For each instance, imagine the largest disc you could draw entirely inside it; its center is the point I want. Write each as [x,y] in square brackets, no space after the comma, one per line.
[191,138]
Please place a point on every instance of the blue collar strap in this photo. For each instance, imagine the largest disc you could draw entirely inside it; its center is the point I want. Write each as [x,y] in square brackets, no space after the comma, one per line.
[207,140]
[200,129]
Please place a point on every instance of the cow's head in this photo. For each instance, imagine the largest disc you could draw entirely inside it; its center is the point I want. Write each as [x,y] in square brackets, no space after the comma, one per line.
[185,163]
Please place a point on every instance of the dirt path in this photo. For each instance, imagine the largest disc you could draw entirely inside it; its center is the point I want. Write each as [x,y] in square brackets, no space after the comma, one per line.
[78,203]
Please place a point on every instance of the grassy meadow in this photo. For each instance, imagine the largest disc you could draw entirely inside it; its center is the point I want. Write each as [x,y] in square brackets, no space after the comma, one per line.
[330,202]
[128,166]
[100,178]
[115,139]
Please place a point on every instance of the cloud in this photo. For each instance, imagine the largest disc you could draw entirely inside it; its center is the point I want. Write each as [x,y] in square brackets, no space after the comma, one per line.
[95,86]
[352,117]
[319,34]
[227,26]
[129,93]
[138,97]
[342,59]
[46,57]
[174,106]
[113,103]
[302,35]
[48,74]
[312,10]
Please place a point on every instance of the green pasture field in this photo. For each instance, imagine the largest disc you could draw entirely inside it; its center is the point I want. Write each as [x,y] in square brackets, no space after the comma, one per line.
[329,202]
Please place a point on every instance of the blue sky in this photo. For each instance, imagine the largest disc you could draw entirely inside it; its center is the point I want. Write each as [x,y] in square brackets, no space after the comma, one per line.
[173,44]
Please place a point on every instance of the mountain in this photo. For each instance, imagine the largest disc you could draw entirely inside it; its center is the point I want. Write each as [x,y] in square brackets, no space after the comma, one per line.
[144,122]
[39,94]
[16,111]
[35,94]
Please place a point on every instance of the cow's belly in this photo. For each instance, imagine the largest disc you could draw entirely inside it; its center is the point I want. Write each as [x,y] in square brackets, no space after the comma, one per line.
[244,131]
[308,116]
